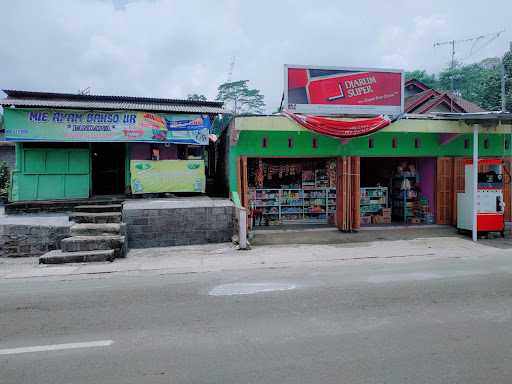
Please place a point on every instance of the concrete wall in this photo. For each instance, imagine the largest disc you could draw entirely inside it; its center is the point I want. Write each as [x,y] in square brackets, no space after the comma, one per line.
[180,221]
[29,240]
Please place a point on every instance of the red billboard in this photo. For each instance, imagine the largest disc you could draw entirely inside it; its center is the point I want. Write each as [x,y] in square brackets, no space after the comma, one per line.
[343,91]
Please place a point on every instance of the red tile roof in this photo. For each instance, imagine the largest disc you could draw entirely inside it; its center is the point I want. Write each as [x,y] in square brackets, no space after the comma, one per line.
[426,100]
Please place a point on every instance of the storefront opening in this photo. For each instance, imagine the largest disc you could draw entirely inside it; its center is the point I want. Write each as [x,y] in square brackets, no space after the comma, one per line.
[108,168]
[397,190]
[292,191]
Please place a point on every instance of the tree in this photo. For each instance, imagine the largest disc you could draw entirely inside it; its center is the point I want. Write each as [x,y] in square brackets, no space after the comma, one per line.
[196,97]
[238,98]
[423,76]
[478,83]
[507,61]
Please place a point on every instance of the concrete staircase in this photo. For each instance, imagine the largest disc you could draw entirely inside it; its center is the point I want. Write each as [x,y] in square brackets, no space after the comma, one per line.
[97,234]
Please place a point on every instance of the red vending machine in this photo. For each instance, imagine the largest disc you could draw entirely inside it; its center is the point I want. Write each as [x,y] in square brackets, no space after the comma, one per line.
[489,198]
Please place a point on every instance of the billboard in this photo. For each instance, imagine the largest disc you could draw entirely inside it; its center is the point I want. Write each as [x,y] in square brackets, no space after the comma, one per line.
[343,91]
[105,126]
[157,176]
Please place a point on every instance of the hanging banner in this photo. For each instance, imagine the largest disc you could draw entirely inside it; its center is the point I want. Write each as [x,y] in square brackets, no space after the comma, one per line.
[343,91]
[160,176]
[338,128]
[105,126]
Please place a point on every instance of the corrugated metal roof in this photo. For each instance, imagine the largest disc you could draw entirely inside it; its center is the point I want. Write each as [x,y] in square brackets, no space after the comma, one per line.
[109,105]
[66,100]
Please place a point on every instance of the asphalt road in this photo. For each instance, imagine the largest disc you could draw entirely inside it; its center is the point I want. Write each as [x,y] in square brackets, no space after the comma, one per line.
[395,321]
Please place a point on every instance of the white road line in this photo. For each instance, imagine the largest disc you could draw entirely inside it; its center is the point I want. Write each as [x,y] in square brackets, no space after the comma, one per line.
[56,347]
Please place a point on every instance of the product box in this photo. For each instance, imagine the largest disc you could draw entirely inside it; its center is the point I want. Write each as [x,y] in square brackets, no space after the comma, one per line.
[386,220]
[365,220]
[386,212]
[377,219]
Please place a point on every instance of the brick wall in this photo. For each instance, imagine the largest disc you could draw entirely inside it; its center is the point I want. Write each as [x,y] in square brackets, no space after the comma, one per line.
[30,240]
[162,227]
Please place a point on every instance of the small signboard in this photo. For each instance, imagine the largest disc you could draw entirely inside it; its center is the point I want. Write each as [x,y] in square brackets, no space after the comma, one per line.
[148,176]
[343,91]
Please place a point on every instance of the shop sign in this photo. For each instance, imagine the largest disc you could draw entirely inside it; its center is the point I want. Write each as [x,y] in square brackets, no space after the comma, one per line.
[167,176]
[105,126]
[343,91]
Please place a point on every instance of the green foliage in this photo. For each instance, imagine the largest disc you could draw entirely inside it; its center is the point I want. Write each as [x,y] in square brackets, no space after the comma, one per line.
[423,76]
[479,83]
[507,61]
[196,97]
[4,179]
[239,98]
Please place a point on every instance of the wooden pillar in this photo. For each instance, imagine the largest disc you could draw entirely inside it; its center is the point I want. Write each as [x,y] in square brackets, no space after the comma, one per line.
[444,190]
[347,193]
[356,192]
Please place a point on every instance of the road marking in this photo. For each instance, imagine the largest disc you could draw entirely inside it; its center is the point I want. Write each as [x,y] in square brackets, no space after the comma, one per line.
[56,347]
[249,288]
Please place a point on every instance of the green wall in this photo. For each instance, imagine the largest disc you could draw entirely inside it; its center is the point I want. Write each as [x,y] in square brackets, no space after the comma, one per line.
[51,173]
[250,145]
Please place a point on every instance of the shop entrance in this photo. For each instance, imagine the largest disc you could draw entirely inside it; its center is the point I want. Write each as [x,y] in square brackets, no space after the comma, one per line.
[108,168]
[398,191]
[291,191]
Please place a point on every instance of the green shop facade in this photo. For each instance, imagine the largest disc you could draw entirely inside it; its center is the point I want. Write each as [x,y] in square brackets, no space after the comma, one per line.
[80,146]
[408,172]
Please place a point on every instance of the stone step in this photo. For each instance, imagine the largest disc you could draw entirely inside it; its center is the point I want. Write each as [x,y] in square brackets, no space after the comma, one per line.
[95,218]
[99,208]
[94,243]
[90,229]
[60,257]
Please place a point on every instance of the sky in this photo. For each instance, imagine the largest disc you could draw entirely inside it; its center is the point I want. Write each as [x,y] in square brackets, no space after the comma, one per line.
[166,48]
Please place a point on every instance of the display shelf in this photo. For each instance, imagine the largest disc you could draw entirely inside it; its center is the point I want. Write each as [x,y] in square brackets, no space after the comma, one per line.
[372,201]
[295,204]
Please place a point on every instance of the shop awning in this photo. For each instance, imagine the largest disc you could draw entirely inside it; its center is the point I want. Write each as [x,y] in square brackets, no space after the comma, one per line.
[338,128]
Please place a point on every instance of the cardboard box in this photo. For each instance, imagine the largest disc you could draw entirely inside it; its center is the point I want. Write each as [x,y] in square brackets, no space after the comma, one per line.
[365,220]
[377,219]
[386,212]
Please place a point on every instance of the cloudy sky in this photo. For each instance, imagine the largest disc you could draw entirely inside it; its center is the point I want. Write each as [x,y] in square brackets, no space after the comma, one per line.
[170,48]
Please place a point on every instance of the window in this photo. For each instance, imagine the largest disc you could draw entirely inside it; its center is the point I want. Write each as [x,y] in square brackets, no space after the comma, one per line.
[264,142]
[507,144]
[417,142]
[290,142]
[315,143]
[466,143]
[394,142]
[486,143]
[371,143]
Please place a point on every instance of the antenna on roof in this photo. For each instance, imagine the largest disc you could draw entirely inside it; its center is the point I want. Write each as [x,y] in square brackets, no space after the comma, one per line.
[84,91]
[231,67]
[475,39]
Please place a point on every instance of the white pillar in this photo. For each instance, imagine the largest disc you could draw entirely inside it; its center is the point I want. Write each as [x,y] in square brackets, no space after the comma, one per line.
[475,182]
[242,232]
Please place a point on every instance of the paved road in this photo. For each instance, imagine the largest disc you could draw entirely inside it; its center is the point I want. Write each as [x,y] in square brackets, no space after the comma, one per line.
[394,321]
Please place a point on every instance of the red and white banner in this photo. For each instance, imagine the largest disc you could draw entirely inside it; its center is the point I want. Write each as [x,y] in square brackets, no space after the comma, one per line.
[337,91]
[338,128]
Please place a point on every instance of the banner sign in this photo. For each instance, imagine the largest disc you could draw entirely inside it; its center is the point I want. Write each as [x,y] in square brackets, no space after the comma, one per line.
[105,126]
[340,129]
[343,91]
[156,176]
